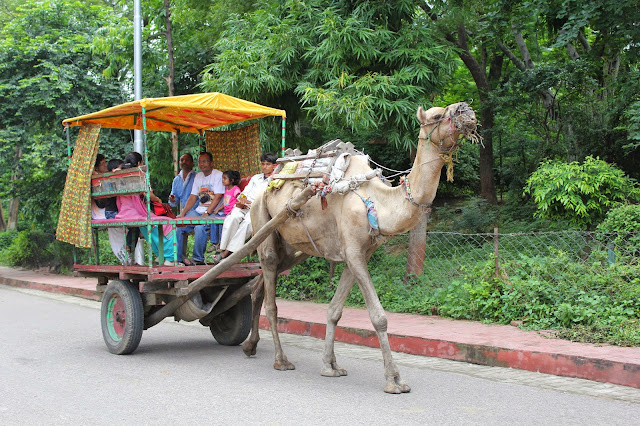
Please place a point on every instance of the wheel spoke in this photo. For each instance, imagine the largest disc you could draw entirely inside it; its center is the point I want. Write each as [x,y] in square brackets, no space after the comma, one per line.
[116,318]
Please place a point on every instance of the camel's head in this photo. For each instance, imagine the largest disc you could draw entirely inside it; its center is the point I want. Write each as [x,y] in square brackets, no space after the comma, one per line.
[443,126]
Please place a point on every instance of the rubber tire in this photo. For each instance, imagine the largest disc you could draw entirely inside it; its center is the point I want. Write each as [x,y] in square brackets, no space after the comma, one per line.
[232,327]
[124,337]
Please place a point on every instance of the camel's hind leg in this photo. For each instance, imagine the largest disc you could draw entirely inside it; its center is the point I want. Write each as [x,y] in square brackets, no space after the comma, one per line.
[269,271]
[257,298]
[358,265]
[249,346]
[330,367]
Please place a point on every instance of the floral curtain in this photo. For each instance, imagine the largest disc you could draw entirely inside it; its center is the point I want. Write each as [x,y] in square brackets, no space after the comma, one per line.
[236,149]
[74,222]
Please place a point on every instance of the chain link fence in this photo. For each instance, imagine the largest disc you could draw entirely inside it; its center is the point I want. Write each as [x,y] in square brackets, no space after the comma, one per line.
[449,255]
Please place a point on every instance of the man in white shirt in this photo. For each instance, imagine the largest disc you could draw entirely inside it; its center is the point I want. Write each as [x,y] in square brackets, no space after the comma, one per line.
[237,224]
[208,190]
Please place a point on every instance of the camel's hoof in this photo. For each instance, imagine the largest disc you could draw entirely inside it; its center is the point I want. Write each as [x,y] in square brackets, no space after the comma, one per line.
[391,387]
[397,386]
[283,366]
[249,348]
[330,372]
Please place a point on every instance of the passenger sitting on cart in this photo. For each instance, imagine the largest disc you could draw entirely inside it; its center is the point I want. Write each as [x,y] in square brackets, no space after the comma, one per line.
[106,208]
[230,180]
[134,207]
[181,189]
[101,165]
[208,190]
[109,204]
[237,225]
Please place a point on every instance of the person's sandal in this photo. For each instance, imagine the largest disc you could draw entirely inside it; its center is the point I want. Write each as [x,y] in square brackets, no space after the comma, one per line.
[171,263]
[216,258]
[187,262]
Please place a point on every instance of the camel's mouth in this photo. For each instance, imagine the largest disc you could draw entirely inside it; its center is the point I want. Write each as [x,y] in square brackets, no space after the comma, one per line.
[464,120]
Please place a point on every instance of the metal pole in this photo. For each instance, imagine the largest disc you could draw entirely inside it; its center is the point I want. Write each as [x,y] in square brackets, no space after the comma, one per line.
[148,184]
[137,69]
[284,130]
[496,252]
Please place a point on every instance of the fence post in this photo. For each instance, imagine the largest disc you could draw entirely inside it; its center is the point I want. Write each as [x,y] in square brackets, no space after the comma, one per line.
[495,252]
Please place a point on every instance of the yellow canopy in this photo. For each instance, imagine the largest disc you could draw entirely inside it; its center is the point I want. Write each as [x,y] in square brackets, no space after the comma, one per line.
[186,113]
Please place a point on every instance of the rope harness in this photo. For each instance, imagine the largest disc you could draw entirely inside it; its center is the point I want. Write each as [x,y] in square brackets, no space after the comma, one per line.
[407,193]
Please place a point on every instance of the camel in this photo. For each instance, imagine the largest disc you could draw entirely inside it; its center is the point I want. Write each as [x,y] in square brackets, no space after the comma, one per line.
[341,233]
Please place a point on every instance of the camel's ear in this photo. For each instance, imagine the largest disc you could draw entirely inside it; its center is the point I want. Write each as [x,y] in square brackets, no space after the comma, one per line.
[421,114]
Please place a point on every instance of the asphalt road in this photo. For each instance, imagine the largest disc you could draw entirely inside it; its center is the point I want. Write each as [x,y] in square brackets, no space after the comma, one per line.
[55,369]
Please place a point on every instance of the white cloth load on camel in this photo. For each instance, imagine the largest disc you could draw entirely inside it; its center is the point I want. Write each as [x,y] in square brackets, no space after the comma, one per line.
[325,167]
[327,164]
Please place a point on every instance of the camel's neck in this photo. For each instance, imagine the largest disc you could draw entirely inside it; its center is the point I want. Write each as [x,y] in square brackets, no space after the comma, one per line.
[425,174]
[423,180]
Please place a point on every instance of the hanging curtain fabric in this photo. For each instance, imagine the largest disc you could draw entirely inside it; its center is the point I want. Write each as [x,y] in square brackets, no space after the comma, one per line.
[74,222]
[236,149]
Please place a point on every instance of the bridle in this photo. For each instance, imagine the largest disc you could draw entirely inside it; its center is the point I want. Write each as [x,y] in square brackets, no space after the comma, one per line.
[445,154]
[455,144]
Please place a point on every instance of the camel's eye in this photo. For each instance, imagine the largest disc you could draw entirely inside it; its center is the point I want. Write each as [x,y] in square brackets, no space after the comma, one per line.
[437,116]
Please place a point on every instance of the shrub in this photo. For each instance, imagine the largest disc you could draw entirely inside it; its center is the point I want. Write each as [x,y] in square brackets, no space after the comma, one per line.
[624,218]
[29,249]
[6,238]
[581,193]
[623,225]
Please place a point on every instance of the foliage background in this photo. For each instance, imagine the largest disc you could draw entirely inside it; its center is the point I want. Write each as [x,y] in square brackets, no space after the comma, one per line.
[555,84]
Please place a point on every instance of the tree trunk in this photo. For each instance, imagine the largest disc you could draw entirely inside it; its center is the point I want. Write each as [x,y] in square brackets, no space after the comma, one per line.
[417,243]
[417,249]
[171,79]
[3,224]
[487,183]
[14,203]
[12,223]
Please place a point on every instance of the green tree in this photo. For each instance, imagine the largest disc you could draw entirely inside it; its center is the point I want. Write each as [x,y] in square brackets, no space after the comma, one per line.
[553,78]
[177,43]
[582,193]
[47,73]
[354,70]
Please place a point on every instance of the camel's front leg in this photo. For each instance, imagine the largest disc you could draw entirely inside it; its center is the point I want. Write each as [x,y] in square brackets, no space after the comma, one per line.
[257,296]
[268,260]
[330,368]
[359,269]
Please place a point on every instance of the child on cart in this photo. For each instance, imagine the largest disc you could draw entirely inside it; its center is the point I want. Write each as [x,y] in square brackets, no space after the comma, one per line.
[230,180]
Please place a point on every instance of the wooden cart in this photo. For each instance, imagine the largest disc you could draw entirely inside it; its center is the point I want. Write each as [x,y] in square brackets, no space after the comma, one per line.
[135,298]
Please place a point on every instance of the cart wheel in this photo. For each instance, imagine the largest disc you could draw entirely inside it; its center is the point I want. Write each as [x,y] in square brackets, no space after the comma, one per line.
[232,327]
[121,317]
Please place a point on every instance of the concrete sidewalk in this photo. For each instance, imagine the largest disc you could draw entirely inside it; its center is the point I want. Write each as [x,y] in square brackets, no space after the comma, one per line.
[469,341]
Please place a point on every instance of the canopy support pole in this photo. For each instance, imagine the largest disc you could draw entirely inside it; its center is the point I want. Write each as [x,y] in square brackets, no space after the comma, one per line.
[284,131]
[148,183]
